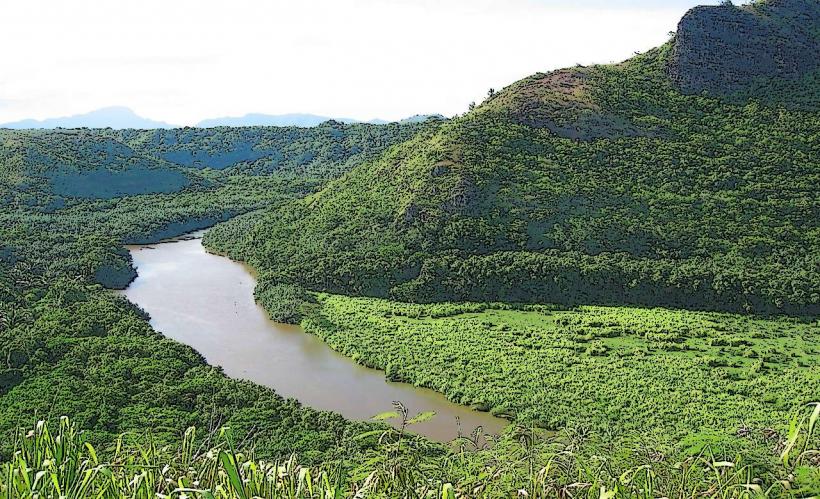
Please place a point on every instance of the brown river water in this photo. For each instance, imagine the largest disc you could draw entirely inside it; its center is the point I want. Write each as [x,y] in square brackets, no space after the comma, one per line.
[206,301]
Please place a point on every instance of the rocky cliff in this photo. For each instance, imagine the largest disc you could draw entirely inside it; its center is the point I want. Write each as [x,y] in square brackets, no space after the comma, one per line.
[724,49]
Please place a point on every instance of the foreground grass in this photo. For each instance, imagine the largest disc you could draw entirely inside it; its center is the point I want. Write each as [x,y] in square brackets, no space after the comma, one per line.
[524,463]
[687,377]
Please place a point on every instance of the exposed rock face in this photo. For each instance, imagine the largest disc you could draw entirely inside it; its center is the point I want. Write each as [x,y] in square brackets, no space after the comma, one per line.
[724,49]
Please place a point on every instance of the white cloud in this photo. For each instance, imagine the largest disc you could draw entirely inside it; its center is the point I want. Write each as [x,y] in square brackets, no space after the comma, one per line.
[184,60]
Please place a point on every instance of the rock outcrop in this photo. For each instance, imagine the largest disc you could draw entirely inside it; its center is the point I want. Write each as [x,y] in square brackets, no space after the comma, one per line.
[725,49]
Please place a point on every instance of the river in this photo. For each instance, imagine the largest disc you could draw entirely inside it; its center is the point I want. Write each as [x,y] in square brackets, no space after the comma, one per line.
[206,301]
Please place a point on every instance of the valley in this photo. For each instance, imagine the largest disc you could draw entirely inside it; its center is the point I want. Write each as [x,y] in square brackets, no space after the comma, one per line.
[609,275]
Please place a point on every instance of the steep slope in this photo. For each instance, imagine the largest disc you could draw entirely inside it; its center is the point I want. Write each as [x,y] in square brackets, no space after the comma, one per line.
[605,184]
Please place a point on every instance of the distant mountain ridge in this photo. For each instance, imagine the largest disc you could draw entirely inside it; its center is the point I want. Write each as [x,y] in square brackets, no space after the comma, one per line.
[117,117]
[299,119]
[122,118]
[290,119]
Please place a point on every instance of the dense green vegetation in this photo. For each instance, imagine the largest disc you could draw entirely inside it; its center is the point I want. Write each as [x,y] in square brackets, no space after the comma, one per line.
[326,150]
[430,250]
[44,167]
[605,185]
[589,185]
[674,376]
[69,347]
[73,348]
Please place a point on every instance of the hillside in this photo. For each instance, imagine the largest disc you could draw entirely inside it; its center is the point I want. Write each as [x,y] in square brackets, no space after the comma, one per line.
[605,184]
[49,167]
[86,191]
[82,163]
[328,148]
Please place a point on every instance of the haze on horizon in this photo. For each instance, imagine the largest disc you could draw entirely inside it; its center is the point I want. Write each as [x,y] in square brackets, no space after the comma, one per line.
[184,61]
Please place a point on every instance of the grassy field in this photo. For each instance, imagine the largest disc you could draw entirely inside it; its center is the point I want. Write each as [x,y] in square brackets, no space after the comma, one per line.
[657,373]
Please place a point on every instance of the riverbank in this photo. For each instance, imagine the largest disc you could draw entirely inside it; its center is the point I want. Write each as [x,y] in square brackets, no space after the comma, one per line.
[206,301]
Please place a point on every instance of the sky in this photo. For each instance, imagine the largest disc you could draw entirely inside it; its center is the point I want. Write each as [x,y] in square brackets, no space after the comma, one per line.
[182,61]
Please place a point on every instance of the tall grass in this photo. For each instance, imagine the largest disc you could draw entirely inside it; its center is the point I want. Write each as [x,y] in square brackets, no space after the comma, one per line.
[526,462]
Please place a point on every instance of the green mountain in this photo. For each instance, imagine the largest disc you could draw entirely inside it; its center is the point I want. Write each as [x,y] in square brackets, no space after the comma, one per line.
[601,185]
[48,167]
[328,148]
[40,164]
[670,179]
